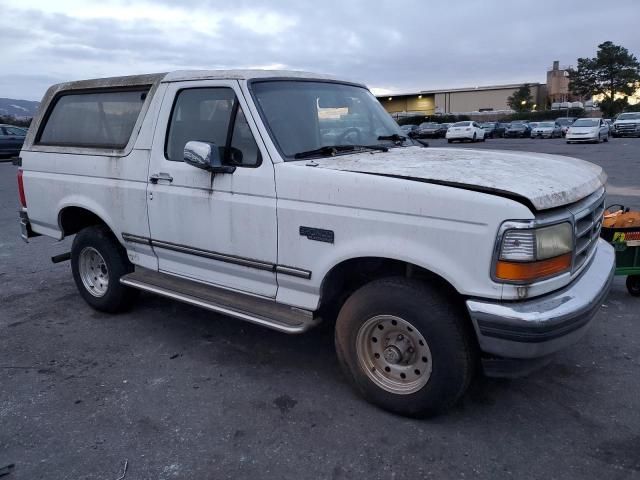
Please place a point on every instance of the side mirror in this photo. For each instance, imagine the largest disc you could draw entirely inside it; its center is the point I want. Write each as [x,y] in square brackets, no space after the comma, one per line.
[206,156]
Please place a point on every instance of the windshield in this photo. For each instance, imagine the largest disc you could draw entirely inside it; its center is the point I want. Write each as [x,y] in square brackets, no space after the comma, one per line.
[629,116]
[428,125]
[585,122]
[462,124]
[564,121]
[546,125]
[307,115]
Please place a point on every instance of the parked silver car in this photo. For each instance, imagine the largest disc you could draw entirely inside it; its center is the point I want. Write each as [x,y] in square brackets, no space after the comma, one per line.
[546,130]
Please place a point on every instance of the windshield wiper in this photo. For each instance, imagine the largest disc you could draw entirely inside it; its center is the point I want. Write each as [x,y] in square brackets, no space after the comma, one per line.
[332,150]
[395,137]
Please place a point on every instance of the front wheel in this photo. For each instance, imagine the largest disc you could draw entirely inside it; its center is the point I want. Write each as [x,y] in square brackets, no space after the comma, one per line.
[98,261]
[633,285]
[405,346]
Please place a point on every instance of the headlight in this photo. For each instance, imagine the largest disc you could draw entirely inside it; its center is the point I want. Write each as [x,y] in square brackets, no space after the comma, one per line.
[531,254]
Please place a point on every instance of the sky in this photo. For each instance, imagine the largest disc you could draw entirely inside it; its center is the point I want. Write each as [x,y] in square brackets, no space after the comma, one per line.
[391,46]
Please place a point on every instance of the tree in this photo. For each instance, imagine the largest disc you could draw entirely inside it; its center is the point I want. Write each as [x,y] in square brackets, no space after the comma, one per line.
[521,100]
[613,72]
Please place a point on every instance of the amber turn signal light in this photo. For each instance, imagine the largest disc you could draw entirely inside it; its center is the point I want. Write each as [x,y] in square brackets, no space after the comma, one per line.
[531,271]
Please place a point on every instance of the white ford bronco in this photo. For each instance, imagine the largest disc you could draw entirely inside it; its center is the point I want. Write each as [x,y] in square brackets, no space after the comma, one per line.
[284,198]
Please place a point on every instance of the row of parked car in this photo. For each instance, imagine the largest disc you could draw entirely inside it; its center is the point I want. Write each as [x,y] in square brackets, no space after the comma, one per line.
[583,129]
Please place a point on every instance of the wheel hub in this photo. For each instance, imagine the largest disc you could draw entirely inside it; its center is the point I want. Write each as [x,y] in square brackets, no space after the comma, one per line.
[93,271]
[394,354]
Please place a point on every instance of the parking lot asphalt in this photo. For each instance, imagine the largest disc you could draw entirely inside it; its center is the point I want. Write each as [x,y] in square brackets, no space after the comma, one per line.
[178,392]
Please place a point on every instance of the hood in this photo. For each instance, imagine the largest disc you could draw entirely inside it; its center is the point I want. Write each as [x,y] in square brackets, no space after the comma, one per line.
[584,129]
[541,180]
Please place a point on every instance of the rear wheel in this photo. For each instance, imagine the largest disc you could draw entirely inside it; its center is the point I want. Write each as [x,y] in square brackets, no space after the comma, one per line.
[98,261]
[633,285]
[449,140]
[405,347]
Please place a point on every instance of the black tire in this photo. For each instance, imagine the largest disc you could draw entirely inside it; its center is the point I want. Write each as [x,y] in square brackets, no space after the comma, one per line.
[633,285]
[439,320]
[606,139]
[117,297]
[474,138]
[450,141]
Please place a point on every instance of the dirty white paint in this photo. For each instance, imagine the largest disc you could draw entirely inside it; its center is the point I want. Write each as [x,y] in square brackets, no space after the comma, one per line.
[547,181]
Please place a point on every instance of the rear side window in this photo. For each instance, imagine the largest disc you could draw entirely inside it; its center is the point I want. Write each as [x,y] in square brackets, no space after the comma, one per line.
[93,119]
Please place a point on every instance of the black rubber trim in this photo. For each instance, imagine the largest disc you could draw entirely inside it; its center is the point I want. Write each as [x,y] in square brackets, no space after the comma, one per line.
[464,186]
[222,257]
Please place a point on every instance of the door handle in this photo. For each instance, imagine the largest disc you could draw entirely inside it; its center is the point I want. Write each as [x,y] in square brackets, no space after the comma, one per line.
[160,176]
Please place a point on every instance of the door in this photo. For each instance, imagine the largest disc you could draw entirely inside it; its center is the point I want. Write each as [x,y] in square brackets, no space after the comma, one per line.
[215,228]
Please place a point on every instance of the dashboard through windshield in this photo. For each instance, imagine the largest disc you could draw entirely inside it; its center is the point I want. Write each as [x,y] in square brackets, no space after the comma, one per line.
[303,116]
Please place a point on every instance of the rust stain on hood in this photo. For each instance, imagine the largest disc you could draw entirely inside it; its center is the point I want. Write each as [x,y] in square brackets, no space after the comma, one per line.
[545,181]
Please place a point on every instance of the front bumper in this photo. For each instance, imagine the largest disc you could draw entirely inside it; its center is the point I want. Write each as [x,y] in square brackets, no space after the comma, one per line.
[626,133]
[581,138]
[540,326]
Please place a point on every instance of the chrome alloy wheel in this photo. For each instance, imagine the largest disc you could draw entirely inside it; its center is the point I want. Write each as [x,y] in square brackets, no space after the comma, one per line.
[393,354]
[93,271]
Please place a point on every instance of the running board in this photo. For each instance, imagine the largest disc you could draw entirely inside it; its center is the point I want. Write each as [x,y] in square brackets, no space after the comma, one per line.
[258,310]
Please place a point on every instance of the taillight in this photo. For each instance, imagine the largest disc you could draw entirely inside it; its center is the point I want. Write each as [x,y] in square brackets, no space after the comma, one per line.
[23,199]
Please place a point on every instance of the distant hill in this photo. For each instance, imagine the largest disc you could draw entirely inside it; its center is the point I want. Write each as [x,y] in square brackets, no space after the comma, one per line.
[18,108]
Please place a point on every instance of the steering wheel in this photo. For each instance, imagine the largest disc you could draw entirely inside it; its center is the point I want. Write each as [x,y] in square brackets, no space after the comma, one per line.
[353,131]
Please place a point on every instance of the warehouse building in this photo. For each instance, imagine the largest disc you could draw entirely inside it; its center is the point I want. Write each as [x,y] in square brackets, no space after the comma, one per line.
[459,100]
[487,99]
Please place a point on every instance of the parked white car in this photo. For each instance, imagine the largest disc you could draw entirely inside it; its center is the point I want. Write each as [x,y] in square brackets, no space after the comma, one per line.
[588,130]
[285,199]
[470,131]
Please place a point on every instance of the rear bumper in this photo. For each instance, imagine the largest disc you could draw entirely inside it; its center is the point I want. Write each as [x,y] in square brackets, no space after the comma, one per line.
[535,328]
[459,136]
[26,231]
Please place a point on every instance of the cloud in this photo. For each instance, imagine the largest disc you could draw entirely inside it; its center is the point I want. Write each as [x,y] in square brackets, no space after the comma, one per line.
[400,45]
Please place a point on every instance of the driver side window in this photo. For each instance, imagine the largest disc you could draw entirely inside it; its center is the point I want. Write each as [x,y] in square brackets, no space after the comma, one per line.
[211,115]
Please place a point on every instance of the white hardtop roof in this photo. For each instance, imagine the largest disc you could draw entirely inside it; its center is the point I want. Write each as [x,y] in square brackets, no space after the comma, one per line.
[183,75]
[187,75]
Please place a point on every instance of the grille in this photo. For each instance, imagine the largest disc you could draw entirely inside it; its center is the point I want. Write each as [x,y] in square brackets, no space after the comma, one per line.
[588,223]
[626,127]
